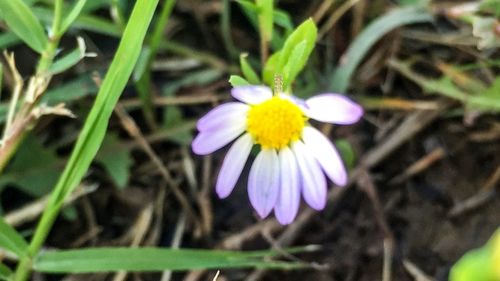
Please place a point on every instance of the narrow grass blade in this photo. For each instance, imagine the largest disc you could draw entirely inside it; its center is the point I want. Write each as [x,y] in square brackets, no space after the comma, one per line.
[70,59]
[5,272]
[113,84]
[1,78]
[71,17]
[248,71]
[8,39]
[83,21]
[142,74]
[11,241]
[94,129]
[265,8]
[23,23]
[366,39]
[149,259]
[237,81]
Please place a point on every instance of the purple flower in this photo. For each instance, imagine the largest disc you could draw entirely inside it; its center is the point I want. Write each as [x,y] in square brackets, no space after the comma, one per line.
[294,156]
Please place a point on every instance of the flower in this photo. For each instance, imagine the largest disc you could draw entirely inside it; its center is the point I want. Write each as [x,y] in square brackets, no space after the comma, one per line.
[294,156]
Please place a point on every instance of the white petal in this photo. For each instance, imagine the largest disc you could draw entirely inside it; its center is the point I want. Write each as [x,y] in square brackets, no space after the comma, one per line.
[252,94]
[233,164]
[208,142]
[326,154]
[288,202]
[334,108]
[313,179]
[263,182]
[219,116]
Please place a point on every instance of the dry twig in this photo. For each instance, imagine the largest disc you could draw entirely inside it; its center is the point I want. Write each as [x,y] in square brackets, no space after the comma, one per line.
[134,131]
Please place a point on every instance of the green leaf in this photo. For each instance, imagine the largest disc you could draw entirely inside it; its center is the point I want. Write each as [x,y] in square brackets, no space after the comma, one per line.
[472,267]
[418,3]
[24,24]
[72,90]
[483,100]
[271,68]
[173,116]
[70,59]
[1,78]
[11,240]
[295,63]
[248,71]
[8,39]
[250,9]
[306,32]
[114,82]
[93,5]
[491,6]
[5,272]
[237,81]
[34,168]
[284,20]
[489,100]
[265,8]
[346,152]
[85,22]
[71,17]
[148,259]
[368,37]
[479,264]
[116,159]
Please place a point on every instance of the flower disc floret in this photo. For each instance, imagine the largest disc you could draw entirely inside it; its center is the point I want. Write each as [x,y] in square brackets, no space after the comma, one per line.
[275,123]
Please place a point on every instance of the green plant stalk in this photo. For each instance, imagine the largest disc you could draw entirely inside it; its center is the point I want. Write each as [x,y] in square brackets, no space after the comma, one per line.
[143,84]
[46,59]
[226,29]
[1,79]
[119,17]
[94,129]
[49,53]
[341,77]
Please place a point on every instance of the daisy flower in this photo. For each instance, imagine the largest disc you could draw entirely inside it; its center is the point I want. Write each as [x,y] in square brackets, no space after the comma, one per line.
[294,156]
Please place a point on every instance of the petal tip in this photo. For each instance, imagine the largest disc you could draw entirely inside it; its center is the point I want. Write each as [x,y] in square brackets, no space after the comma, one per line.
[285,220]
[262,213]
[318,206]
[197,147]
[221,192]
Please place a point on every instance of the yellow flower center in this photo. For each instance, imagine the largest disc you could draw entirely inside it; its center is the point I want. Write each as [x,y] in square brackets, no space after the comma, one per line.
[275,122]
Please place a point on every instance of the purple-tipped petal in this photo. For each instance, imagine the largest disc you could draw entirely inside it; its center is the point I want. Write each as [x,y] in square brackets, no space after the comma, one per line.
[288,202]
[334,108]
[233,164]
[313,179]
[219,116]
[208,142]
[252,94]
[263,182]
[326,154]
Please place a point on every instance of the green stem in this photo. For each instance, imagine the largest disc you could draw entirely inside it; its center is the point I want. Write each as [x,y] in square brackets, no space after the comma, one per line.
[50,50]
[118,11]
[94,128]
[226,29]
[160,27]
[143,84]
[23,270]
[46,59]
